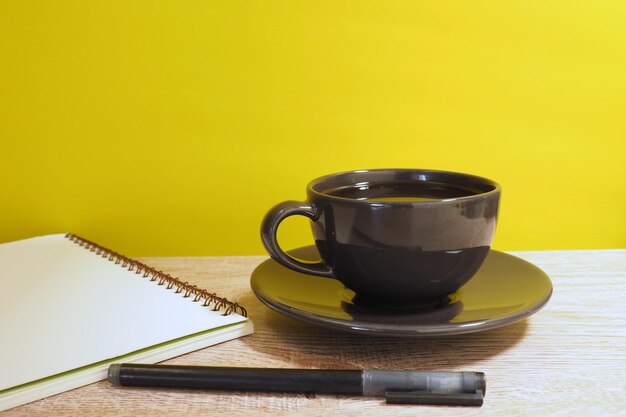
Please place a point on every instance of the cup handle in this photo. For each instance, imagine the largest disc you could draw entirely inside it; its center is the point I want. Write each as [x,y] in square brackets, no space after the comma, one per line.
[269,228]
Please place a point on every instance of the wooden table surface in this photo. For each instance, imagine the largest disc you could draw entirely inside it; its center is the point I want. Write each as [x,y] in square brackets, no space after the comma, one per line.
[569,359]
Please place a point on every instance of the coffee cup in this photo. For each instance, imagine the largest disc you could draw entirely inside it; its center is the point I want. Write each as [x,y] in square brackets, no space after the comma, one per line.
[395,237]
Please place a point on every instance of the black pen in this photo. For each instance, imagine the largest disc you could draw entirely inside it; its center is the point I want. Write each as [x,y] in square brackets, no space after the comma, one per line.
[398,387]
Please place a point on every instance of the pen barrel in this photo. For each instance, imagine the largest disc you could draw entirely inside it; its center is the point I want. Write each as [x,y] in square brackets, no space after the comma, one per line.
[242,379]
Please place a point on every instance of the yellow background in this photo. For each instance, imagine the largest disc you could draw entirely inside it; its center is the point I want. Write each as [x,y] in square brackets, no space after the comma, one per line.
[169,128]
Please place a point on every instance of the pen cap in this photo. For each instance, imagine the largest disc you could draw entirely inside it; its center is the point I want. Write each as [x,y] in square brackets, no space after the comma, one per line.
[377,383]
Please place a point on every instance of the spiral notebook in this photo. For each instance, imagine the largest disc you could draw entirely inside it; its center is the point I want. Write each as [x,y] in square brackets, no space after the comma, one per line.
[69,308]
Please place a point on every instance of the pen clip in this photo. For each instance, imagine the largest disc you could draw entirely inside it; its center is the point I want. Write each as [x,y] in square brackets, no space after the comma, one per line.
[435,398]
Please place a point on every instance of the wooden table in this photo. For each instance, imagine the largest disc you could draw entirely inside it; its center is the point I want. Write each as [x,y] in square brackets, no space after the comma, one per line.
[569,359]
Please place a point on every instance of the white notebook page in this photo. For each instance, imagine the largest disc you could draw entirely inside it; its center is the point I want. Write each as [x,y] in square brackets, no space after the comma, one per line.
[63,307]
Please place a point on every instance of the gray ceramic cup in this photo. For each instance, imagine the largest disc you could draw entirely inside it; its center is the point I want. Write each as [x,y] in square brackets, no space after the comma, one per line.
[396,237]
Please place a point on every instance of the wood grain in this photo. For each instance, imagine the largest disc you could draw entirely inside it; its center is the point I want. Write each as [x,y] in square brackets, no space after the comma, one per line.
[568,359]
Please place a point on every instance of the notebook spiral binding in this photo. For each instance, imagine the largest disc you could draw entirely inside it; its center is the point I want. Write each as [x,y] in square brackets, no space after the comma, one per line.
[187,290]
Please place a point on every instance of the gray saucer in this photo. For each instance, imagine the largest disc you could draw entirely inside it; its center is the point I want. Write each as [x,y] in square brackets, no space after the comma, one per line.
[505,290]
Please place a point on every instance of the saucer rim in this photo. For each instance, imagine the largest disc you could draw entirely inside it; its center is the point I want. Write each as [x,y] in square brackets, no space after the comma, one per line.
[360,327]
[424,330]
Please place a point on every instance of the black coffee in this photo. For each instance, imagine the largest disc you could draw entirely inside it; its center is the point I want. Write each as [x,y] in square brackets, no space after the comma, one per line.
[399,191]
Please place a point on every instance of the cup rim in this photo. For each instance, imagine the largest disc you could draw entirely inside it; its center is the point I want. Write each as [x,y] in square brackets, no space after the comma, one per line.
[425,173]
